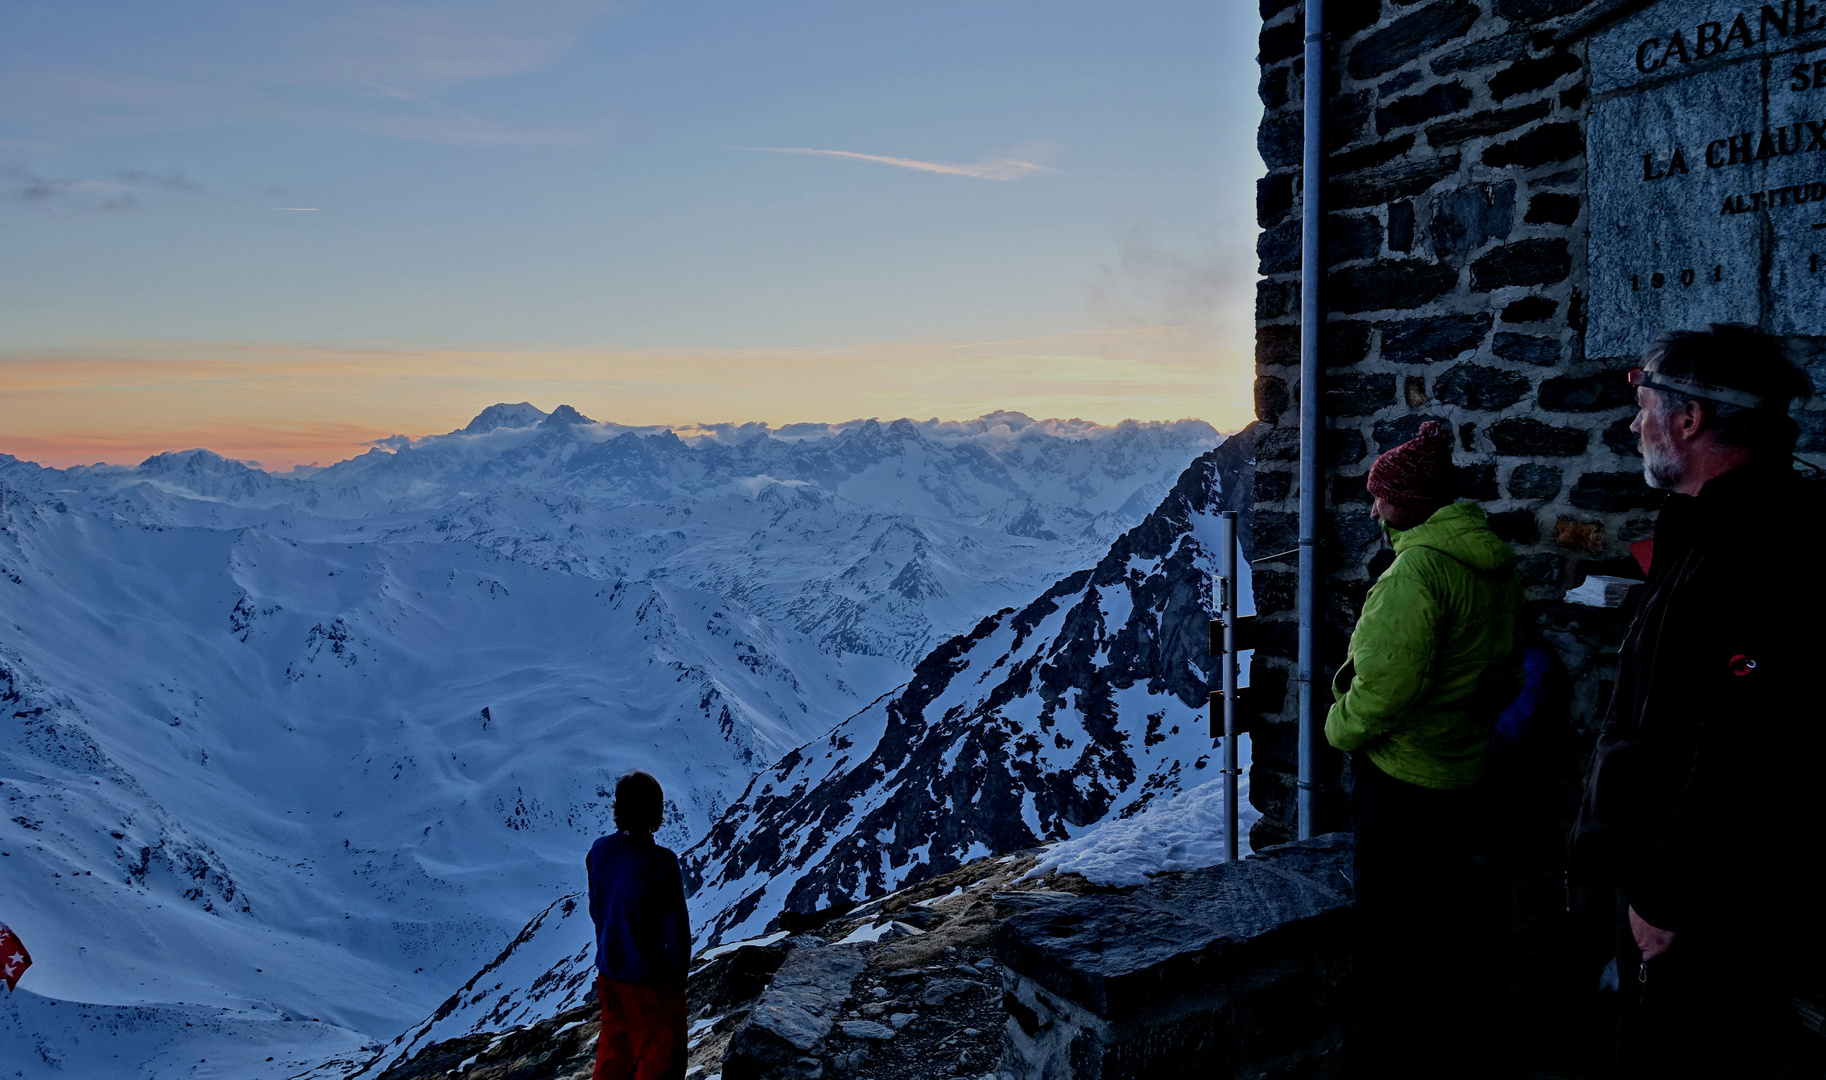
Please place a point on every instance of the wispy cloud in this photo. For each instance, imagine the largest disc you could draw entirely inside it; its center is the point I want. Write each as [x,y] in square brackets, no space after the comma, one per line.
[1002,168]
[123,190]
[379,67]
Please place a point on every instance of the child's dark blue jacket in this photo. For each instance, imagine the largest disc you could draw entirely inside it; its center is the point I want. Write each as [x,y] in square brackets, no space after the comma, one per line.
[637,901]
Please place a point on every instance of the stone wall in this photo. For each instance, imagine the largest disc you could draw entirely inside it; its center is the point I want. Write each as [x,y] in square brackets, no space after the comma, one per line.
[1455,284]
[1240,969]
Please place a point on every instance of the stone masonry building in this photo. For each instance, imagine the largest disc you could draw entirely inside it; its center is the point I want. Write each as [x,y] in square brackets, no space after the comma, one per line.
[1518,194]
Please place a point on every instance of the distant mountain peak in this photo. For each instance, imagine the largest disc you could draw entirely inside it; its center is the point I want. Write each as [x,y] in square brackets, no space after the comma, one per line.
[565,416]
[502,415]
[171,461]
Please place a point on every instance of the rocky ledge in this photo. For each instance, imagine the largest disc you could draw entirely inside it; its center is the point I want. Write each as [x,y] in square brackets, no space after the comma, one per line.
[1233,970]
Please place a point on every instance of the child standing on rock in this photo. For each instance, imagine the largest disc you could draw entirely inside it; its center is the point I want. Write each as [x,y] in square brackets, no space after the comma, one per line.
[643,942]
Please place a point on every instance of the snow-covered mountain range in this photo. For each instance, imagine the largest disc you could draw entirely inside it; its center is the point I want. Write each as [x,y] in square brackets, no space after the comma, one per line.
[303,751]
[1084,705]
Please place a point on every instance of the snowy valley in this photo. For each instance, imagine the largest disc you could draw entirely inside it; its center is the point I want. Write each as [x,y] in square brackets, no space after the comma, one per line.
[289,757]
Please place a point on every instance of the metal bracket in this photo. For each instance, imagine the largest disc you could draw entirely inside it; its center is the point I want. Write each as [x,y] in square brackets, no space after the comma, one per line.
[1245,634]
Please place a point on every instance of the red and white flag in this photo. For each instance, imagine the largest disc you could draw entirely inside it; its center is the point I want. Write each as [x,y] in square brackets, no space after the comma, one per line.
[13,957]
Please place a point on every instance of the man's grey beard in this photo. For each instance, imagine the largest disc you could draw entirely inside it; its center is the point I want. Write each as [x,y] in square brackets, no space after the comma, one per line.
[1661,474]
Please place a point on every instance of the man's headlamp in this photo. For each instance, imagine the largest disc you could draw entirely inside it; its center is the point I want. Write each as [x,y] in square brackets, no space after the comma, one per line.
[1722,394]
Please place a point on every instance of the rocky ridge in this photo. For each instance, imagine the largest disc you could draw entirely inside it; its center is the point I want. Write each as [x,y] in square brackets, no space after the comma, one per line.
[1087,703]
[906,987]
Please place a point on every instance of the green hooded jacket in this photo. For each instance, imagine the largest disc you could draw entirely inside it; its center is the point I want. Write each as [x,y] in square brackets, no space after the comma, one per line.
[1434,657]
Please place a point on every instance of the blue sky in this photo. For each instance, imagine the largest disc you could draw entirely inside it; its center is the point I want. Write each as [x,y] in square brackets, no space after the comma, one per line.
[526,186]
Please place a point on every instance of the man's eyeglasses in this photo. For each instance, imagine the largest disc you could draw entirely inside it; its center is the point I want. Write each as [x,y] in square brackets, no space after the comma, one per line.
[1640,377]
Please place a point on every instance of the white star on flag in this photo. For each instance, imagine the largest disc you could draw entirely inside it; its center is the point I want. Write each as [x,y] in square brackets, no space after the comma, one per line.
[17,959]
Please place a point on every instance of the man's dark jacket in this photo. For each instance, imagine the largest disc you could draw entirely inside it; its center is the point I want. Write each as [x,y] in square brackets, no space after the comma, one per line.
[637,901]
[1702,798]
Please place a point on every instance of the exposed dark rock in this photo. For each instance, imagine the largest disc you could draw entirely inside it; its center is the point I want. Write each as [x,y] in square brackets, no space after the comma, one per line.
[1388,285]
[1541,569]
[1524,436]
[1278,43]
[1368,157]
[1477,386]
[1505,46]
[1270,398]
[1352,236]
[1347,237]
[1398,82]
[1545,144]
[1534,482]
[1274,591]
[1410,36]
[1356,394]
[1529,12]
[1273,198]
[1390,433]
[1530,309]
[1526,349]
[735,977]
[794,1015]
[1590,393]
[1550,208]
[1476,481]
[1614,491]
[1276,299]
[1532,74]
[1438,337]
[1347,119]
[1343,342]
[1345,20]
[1272,486]
[1525,262]
[1399,180]
[1516,526]
[1273,89]
[1276,531]
[1470,217]
[1277,345]
[1489,122]
[1349,489]
[1350,532]
[1278,444]
[1278,139]
[1401,225]
[1343,447]
[1442,99]
[1277,249]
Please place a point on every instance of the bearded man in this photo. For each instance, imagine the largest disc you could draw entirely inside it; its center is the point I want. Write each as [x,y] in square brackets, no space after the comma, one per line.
[1701,805]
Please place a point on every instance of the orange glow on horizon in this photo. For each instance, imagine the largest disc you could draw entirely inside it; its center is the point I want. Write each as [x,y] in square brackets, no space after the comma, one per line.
[120,402]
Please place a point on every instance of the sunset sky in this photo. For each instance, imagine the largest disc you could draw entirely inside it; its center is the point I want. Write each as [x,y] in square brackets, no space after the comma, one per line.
[284,230]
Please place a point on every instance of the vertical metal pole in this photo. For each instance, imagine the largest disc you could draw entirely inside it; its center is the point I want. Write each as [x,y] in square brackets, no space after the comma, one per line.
[1226,561]
[1311,322]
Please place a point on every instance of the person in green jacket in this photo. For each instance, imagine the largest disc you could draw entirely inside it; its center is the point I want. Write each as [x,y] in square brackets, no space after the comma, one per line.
[1433,659]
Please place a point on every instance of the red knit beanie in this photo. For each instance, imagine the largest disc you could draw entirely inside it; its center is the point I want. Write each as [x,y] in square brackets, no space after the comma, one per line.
[1417,473]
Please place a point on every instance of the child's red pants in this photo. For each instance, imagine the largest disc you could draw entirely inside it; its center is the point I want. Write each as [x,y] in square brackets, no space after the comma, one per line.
[643,1032]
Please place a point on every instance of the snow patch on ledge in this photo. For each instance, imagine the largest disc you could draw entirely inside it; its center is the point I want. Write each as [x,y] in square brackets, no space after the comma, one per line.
[1182,833]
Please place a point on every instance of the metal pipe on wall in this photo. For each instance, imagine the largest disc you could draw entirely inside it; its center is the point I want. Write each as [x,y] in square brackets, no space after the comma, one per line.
[1226,609]
[1311,322]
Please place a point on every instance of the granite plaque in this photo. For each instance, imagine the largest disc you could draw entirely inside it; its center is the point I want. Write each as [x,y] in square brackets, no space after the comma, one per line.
[1706,156]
